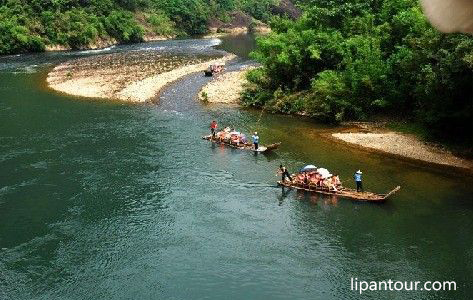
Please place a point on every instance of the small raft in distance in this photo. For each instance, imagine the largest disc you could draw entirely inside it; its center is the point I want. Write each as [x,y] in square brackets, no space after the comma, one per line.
[342,192]
[213,69]
[261,149]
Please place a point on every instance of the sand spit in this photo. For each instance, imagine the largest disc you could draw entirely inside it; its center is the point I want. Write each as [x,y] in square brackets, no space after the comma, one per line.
[225,88]
[140,91]
[132,76]
[404,145]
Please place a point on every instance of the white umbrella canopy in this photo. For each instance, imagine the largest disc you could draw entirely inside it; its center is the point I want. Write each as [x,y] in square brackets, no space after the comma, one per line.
[309,168]
[324,172]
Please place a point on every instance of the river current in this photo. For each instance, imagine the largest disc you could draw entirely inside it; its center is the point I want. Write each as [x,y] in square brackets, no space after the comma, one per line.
[107,200]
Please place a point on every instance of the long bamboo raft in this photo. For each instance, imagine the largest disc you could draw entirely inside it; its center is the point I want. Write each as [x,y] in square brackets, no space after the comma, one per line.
[342,192]
[261,149]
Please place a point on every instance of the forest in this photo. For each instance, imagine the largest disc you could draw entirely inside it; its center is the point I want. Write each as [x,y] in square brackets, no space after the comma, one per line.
[31,25]
[367,60]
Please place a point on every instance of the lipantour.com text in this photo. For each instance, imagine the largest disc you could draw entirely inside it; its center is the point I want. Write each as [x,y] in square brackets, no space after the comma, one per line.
[393,285]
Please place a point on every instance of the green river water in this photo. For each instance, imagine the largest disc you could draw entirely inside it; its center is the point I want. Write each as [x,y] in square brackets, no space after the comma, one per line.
[106,200]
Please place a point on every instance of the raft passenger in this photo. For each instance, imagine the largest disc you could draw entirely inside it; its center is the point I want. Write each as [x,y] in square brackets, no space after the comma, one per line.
[331,183]
[313,180]
[318,179]
[235,139]
[300,178]
[221,136]
[336,180]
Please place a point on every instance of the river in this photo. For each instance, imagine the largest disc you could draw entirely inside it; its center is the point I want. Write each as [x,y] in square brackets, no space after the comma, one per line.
[107,200]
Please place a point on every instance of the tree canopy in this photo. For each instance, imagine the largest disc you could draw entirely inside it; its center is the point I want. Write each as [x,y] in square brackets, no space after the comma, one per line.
[31,25]
[353,60]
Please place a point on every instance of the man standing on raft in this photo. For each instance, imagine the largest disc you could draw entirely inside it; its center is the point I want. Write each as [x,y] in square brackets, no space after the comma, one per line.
[284,173]
[213,128]
[357,177]
[255,140]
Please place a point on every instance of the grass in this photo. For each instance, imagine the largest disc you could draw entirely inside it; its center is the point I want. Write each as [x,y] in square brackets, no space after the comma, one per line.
[205,97]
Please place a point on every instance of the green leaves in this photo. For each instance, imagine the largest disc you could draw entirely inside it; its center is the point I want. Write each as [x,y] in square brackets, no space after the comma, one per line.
[81,23]
[15,37]
[122,26]
[78,28]
[357,59]
[161,23]
[190,15]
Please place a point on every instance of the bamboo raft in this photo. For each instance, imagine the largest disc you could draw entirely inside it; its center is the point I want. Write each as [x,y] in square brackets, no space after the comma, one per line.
[261,149]
[342,192]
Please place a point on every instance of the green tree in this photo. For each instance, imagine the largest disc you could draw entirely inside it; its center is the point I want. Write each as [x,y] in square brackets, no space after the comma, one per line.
[122,26]
[352,60]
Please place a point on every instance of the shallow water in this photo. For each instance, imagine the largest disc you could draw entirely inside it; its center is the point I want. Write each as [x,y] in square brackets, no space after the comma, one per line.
[105,200]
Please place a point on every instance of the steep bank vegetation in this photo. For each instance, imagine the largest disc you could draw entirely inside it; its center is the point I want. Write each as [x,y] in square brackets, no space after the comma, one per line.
[353,60]
[32,25]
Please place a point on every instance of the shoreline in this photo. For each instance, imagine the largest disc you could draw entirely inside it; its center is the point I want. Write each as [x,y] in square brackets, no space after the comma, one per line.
[103,44]
[395,144]
[225,88]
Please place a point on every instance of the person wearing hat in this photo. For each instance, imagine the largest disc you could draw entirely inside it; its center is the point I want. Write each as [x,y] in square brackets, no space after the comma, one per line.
[256,140]
[357,177]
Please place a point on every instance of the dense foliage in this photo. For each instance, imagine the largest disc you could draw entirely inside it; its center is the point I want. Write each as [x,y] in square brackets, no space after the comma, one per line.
[31,25]
[353,60]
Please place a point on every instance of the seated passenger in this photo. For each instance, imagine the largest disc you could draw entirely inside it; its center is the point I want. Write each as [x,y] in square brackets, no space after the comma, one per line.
[336,181]
[243,139]
[318,177]
[300,178]
[235,139]
[333,184]
[313,180]
[328,182]
[227,137]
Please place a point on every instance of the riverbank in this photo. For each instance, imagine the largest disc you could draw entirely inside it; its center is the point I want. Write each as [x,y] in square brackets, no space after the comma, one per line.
[133,76]
[104,43]
[225,88]
[408,146]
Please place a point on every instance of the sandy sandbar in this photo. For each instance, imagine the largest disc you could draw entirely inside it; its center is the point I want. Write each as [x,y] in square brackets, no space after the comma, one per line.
[405,146]
[225,88]
[134,77]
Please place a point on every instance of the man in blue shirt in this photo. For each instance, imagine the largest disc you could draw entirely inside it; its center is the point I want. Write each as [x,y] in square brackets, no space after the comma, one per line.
[357,177]
[256,140]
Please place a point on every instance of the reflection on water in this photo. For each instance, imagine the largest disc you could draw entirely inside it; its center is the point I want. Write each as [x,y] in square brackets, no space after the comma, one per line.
[104,200]
[241,45]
